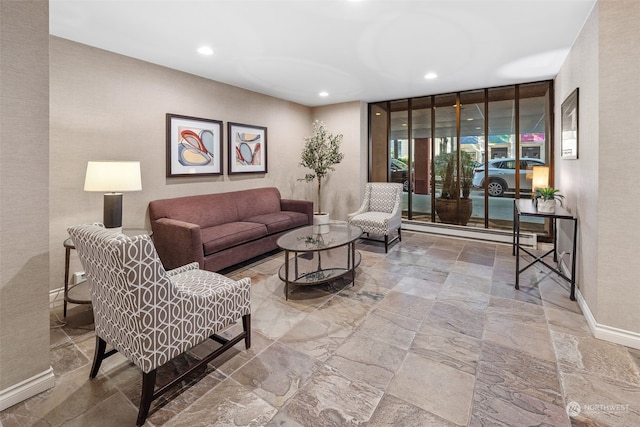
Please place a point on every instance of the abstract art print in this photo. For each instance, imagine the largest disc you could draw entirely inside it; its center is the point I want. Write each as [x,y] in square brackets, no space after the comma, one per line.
[247,148]
[194,146]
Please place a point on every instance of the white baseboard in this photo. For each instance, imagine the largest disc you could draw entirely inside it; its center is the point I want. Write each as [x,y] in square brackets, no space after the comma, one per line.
[56,297]
[603,332]
[497,236]
[607,333]
[26,389]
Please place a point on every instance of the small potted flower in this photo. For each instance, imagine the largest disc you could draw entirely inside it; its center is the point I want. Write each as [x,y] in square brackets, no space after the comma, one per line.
[546,199]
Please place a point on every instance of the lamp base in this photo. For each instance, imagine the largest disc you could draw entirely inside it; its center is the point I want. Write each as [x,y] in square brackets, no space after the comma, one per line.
[112,215]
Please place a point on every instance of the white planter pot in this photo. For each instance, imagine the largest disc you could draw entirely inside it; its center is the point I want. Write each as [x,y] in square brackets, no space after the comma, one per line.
[321,223]
[546,206]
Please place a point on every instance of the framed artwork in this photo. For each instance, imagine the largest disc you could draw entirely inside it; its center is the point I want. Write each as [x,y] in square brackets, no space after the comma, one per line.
[569,127]
[247,148]
[194,146]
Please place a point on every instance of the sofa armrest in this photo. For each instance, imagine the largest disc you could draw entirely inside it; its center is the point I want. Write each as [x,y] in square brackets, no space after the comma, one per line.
[304,206]
[177,242]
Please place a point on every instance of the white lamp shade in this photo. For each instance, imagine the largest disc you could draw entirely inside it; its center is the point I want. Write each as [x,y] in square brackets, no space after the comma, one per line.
[113,176]
[540,177]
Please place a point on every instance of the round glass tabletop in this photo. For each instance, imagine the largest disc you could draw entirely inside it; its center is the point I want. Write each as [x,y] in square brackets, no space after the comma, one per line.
[307,239]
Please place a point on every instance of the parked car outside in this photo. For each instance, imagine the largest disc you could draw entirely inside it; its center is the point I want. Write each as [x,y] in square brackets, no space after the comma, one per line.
[502,175]
[399,173]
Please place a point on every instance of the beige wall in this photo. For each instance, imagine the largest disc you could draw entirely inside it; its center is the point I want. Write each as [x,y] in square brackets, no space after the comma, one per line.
[619,156]
[601,185]
[578,179]
[106,106]
[24,198]
[350,120]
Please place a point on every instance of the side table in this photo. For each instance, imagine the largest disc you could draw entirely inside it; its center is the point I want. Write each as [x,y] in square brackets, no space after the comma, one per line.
[78,293]
[525,207]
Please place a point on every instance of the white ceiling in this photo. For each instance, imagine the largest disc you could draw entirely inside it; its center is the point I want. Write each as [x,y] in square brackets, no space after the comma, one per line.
[368,50]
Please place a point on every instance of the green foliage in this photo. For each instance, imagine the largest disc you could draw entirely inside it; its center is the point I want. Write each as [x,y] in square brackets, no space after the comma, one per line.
[549,193]
[445,167]
[320,153]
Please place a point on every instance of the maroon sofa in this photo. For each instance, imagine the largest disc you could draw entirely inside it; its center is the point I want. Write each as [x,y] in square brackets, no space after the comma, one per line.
[224,229]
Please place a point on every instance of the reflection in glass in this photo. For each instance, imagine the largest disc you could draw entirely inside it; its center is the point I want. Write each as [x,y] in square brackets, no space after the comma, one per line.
[411,138]
[399,144]
[421,160]
[472,145]
[378,135]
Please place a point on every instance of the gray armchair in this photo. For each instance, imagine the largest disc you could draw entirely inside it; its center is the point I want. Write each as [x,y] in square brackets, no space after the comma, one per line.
[151,315]
[381,211]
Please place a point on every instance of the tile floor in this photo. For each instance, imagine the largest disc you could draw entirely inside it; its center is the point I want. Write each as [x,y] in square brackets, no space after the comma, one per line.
[431,334]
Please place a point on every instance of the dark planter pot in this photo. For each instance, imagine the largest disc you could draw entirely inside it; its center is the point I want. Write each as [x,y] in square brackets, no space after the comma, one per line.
[452,211]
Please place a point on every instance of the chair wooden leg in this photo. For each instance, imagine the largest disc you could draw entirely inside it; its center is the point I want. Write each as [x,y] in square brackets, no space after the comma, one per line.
[98,356]
[246,326]
[148,385]
[400,234]
[149,394]
[386,243]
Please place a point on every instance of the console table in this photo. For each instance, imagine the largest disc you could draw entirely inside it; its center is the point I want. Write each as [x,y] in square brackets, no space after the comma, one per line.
[319,257]
[527,208]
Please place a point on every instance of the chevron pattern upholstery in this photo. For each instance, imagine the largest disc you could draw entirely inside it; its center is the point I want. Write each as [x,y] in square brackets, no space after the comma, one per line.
[151,315]
[381,211]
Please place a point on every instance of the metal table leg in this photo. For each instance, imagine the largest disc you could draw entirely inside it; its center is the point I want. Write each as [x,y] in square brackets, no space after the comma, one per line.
[286,274]
[516,236]
[573,260]
[67,256]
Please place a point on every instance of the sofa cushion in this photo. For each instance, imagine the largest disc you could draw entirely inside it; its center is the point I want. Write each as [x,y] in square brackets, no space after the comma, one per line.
[280,221]
[205,210]
[258,201]
[225,236]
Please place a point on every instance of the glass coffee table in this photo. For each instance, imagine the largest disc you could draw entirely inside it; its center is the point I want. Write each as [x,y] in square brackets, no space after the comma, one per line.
[319,257]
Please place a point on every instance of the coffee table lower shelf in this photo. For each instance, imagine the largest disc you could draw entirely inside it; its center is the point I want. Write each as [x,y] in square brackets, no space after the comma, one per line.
[315,268]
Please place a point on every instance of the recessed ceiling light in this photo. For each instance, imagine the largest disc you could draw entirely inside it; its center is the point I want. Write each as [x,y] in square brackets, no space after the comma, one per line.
[323,94]
[205,50]
[430,76]
[470,119]
[378,113]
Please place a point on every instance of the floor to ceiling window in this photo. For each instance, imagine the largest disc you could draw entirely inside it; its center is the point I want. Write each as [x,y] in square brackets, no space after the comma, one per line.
[489,139]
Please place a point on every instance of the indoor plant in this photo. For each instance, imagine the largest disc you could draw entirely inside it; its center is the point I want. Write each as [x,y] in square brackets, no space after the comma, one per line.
[320,153]
[546,199]
[454,206]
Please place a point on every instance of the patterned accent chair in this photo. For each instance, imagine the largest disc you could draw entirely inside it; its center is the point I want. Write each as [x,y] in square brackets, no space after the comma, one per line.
[381,211]
[151,315]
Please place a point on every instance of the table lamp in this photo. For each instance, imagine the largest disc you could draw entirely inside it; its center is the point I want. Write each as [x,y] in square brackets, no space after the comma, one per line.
[540,179]
[113,178]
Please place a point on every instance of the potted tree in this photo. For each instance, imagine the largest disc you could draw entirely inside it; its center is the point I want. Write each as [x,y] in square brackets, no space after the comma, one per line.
[546,199]
[320,153]
[454,206]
